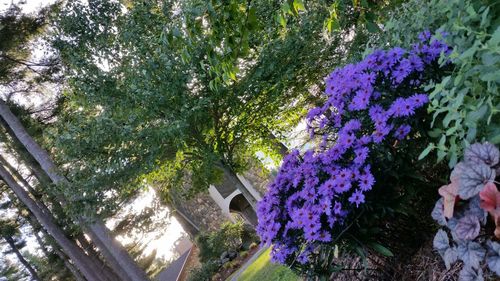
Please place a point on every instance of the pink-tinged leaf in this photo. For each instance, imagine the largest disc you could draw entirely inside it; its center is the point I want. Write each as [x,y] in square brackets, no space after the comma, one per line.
[449,194]
[497,223]
[490,197]
[490,201]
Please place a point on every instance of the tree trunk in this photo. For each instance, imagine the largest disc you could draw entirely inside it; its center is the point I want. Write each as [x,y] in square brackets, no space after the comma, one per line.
[27,265]
[74,252]
[80,238]
[85,244]
[67,263]
[112,251]
[35,225]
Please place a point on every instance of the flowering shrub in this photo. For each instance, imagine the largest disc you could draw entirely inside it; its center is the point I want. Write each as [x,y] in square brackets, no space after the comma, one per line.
[463,210]
[316,197]
[463,105]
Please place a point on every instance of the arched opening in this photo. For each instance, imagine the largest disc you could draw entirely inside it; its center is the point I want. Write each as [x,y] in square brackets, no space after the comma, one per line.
[240,206]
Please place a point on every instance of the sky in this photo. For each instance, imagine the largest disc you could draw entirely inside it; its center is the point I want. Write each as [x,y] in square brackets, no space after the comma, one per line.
[28,6]
[162,239]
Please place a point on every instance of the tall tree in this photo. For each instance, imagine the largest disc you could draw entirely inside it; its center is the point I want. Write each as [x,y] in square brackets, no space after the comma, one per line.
[55,255]
[9,231]
[114,253]
[89,270]
[186,91]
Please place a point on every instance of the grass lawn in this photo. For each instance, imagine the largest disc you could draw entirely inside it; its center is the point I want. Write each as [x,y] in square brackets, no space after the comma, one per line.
[262,270]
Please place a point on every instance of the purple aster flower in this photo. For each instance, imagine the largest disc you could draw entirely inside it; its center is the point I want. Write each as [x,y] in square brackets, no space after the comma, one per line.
[401,72]
[324,236]
[342,185]
[380,133]
[366,181]
[346,140]
[416,62]
[402,107]
[424,36]
[337,208]
[352,125]
[313,113]
[311,182]
[402,132]
[361,155]
[336,152]
[302,258]
[309,194]
[357,198]
[419,99]
[379,116]
[302,203]
[376,95]
[332,220]
[395,54]
[326,206]
[364,140]
[360,100]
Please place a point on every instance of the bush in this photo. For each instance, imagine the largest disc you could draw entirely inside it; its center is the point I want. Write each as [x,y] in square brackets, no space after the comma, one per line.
[464,105]
[244,254]
[318,201]
[228,238]
[248,236]
[205,272]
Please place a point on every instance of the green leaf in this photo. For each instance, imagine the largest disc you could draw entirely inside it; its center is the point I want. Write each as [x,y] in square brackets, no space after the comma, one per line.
[426,151]
[298,5]
[451,130]
[372,27]
[441,154]
[381,249]
[436,132]
[490,76]
[494,137]
[484,17]
[469,52]
[286,8]
[474,116]
[252,18]
[495,38]
[281,20]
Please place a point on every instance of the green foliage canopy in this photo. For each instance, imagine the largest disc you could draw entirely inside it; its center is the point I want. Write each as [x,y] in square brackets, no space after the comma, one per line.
[172,90]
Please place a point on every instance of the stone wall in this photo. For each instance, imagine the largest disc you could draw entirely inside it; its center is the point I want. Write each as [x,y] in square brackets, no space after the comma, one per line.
[202,211]
[258,177]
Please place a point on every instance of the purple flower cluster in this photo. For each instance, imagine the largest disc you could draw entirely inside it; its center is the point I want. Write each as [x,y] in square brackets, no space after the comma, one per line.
[312,195]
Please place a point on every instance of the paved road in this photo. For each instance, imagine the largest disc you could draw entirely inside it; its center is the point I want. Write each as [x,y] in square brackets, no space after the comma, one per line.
[247,264]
